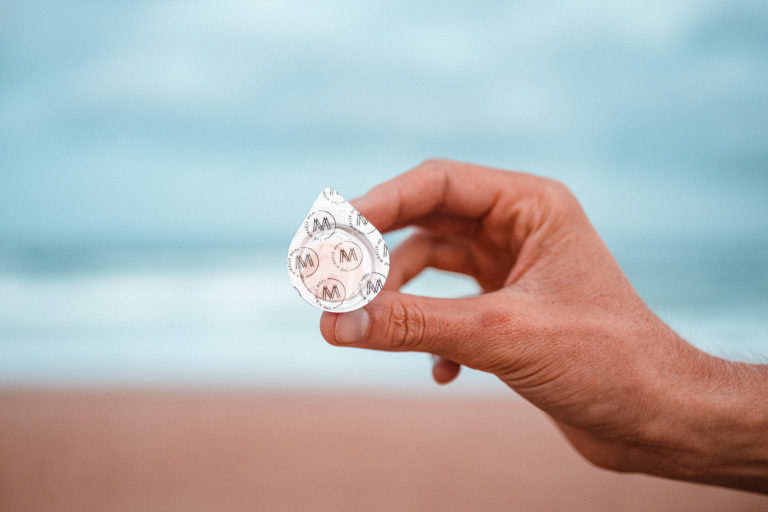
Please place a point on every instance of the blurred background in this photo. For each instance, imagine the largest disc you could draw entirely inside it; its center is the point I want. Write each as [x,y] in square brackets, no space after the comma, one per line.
[156,158]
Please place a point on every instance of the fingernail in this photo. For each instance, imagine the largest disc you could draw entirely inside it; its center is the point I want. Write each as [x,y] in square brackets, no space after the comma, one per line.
[352,327]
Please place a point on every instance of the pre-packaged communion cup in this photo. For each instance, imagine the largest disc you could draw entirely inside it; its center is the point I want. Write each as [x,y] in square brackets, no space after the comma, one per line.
[337,260]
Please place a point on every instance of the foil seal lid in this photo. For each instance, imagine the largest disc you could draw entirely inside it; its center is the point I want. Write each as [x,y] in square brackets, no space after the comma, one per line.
[337,260]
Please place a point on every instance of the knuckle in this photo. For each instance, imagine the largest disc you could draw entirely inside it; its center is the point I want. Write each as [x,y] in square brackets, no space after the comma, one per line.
[557,199]
[499,319]
[435,165]
[558,190]
[492,319]
[558,186]
[406,327]
[433,162]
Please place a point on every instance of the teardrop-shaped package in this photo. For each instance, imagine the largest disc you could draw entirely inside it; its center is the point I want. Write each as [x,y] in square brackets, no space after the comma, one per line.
[337,260]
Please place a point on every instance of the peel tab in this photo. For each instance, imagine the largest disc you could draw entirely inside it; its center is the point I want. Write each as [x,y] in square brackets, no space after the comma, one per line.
[337,260]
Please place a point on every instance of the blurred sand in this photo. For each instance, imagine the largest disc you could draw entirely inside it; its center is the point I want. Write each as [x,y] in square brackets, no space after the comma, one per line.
[142,450]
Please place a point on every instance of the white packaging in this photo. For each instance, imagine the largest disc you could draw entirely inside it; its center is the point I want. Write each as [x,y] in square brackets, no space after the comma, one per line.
[337,260]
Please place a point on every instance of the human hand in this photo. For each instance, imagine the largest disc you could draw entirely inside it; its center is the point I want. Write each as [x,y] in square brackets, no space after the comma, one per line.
[559,323]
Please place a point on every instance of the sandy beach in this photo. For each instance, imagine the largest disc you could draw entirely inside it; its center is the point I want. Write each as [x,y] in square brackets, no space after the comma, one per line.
[238,450]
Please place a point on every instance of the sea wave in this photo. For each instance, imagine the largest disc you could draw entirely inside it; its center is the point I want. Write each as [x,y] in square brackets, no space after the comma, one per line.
[233,318]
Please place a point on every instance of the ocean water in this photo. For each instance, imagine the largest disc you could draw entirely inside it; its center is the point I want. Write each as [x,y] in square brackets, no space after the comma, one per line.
[177,316]
[228,316]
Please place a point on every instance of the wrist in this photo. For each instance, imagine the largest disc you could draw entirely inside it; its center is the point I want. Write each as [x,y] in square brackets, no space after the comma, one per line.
[713,423]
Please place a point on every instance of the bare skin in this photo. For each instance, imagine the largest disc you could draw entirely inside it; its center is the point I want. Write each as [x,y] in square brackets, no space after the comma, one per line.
[559,323]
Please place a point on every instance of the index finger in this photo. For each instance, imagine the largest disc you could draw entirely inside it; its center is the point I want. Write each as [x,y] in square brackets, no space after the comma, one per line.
[464,190]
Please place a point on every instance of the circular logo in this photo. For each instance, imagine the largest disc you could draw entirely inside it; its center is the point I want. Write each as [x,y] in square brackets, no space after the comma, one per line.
[303,261]
[371,285]
[332,196]
[382,251]
[357,222]
[330,292]
[347,255]
[320,224]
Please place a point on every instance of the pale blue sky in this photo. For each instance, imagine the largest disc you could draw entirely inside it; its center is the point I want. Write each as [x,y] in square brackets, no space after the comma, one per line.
[163,121]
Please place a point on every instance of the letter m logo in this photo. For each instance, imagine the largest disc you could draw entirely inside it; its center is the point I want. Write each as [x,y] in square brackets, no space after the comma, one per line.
[373,287]
[348,256]
[333,293]
[306,262]
[322,225]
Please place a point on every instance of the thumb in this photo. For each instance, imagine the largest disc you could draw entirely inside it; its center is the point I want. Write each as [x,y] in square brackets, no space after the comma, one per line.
[467,330]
